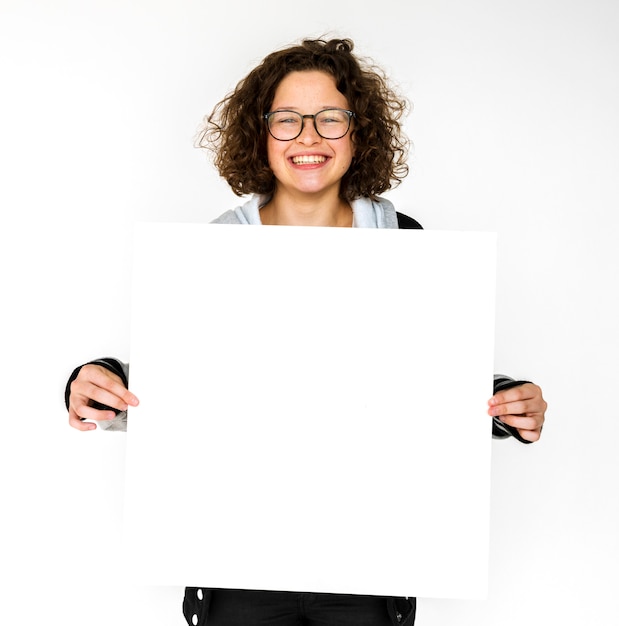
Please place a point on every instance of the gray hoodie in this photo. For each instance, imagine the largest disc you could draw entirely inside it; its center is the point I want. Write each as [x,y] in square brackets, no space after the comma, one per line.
[379,213]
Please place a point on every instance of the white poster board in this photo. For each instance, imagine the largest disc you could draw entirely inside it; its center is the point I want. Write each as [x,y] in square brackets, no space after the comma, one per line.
[313,409]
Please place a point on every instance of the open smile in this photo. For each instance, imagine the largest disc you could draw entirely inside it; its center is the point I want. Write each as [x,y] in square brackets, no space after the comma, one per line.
[308,159]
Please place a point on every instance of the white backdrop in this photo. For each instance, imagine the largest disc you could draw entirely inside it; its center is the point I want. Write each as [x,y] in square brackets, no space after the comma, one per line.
[515,130]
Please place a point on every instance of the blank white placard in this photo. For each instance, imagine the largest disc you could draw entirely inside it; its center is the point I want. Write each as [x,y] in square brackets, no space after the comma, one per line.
[313,409]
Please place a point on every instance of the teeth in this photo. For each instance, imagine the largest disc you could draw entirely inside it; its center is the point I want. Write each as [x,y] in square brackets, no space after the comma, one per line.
[314,158]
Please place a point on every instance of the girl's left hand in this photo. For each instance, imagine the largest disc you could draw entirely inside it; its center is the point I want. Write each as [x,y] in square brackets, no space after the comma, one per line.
[522,407]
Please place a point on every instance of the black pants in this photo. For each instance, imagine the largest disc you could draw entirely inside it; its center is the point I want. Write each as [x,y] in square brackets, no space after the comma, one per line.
[232,607]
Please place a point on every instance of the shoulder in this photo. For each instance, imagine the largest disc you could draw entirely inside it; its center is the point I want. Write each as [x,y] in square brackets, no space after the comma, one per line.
[404,221]
[229,217]
[379,212]
[247,213]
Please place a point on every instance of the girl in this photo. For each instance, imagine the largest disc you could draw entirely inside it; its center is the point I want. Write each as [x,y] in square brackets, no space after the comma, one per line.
[314,135]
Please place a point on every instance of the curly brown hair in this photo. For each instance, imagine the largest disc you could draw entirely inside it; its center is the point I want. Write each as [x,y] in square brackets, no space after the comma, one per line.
[236,132]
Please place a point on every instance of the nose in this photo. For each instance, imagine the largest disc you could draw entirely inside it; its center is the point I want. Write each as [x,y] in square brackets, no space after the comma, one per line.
[308,133]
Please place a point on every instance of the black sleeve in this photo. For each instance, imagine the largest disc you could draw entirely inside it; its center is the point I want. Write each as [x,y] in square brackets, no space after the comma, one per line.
[404,221]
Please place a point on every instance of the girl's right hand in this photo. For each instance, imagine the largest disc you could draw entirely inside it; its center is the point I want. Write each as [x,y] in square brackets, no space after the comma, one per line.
[97,384]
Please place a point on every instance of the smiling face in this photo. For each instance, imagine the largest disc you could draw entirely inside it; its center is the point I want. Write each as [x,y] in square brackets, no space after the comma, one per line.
[309,164]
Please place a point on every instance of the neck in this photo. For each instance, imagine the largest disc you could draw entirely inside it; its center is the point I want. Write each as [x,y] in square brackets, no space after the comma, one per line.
[308,210]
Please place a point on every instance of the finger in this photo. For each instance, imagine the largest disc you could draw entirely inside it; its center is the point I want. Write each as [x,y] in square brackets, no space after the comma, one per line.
[86,412]
[528,391]
[102,396]
[105,391]
[512,408]
[103,378]
[76,422]
[522,422]
[118,390]
[530,435]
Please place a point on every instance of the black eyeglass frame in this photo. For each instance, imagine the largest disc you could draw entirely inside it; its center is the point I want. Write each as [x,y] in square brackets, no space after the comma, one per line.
[267,116]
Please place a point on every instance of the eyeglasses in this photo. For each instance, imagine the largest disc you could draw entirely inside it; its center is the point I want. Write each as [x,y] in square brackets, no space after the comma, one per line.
[329,123]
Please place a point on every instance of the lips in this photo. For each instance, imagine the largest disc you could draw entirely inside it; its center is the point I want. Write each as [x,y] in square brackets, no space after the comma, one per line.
[308,159]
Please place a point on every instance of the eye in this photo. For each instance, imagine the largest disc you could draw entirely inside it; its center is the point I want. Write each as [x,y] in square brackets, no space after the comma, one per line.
[284,118]
[333,117]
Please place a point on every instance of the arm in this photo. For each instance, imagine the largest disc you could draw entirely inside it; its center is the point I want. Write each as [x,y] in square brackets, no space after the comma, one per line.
[517,409]
[98,391]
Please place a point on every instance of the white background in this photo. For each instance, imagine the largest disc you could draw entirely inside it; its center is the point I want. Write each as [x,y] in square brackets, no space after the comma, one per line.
[515,129]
